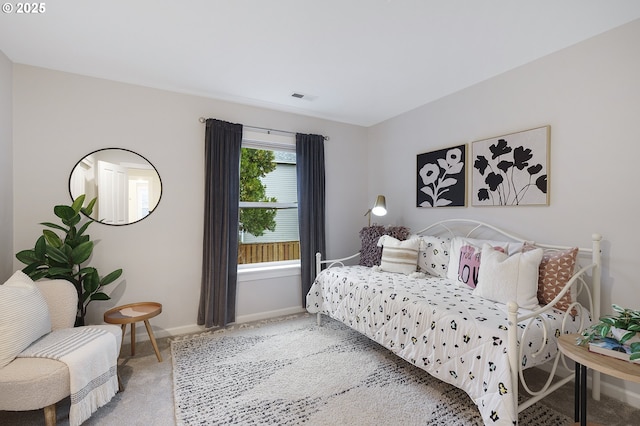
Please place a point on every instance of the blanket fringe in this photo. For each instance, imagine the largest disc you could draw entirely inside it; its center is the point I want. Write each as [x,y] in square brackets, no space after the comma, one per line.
[98,397]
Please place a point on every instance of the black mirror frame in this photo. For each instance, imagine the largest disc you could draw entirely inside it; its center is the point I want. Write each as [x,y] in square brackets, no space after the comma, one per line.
[132,152]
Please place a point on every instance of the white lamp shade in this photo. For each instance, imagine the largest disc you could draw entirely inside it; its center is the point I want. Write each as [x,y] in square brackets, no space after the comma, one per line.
[380,207]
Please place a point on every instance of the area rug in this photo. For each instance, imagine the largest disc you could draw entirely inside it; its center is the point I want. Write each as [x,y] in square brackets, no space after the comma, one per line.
[293,372]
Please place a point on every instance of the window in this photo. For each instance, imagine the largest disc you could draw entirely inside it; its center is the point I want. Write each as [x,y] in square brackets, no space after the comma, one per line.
[268,200]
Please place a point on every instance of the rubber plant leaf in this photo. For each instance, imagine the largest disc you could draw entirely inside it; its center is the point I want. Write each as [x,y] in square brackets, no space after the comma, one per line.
[99,296]
[41,248]
[82,252]
[39,274]
[88,270]
[77,203]
[90,283]
[54,225]
[59,270]
[82,239]
[72,221]
[27,256]
[89,209]
[57,255]
[64,212]
[33,268]
[109,278]
[83,228]
[52,238]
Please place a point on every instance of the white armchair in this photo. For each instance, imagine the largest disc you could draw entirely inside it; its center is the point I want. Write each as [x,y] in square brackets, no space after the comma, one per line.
[35,383]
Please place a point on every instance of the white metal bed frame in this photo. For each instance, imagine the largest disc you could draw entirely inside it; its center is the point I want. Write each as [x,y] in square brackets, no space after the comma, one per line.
[476,229]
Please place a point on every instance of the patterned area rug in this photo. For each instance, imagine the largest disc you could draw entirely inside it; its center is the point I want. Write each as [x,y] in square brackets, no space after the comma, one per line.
[293,372]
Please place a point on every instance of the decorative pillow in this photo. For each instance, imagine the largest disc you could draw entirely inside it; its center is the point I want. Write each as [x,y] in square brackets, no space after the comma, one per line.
[465,255]
[505,278]
[433,257]
[399,256]
[370,252]
[556,269]
[24,316]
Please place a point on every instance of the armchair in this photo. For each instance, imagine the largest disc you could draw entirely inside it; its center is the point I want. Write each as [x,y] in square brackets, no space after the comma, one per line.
[36,383]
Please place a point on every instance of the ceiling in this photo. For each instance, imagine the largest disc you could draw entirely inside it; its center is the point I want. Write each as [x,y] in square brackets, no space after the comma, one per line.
[357,61]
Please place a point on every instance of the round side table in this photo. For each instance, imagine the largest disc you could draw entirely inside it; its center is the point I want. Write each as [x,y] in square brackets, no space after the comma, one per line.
[584,359]
[132,313]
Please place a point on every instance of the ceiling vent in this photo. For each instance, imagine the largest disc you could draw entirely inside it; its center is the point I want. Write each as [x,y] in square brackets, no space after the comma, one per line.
[299,95]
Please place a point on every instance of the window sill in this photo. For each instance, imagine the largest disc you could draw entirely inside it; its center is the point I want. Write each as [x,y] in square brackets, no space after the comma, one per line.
[251,272]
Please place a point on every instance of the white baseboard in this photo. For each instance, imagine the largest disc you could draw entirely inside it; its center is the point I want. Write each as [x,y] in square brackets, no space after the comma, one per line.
[625,395]
[271,314]
[142,336]
[611,390]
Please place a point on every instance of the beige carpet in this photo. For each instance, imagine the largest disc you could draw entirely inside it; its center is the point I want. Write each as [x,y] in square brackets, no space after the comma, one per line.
[148,398]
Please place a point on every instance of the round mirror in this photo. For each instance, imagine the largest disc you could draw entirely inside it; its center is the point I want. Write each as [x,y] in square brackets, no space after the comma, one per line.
[126,184]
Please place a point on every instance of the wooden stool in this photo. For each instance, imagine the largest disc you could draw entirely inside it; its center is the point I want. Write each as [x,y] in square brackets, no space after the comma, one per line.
[132,313]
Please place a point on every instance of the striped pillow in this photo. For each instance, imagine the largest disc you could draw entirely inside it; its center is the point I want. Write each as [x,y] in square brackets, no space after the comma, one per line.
[24,316]
[399,256]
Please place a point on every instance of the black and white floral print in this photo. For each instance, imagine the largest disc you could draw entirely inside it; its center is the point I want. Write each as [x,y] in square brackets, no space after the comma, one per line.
[441,178]
[511,170]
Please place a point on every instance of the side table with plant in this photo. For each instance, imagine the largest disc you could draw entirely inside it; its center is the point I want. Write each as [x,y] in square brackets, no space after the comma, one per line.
[622,326]
[63,258]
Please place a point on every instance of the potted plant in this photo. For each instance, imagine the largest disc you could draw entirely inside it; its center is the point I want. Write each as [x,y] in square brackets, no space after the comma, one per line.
[63,257]
[623,326]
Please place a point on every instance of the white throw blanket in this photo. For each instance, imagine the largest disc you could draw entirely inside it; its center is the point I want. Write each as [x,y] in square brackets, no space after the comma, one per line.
[91,356]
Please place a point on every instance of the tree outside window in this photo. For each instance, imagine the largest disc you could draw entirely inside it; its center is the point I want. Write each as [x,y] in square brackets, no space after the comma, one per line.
[268,207]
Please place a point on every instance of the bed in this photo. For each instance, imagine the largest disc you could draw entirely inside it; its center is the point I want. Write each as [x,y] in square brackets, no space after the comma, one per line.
[451,314]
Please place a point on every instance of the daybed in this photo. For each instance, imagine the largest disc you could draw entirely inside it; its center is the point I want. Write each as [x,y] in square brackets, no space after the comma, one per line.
[430,313]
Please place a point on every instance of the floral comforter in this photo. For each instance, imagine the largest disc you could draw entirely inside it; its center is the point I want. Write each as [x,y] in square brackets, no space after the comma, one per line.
[438,326]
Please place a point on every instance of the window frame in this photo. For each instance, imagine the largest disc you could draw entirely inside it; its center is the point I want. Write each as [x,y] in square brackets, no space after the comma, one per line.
[274,142]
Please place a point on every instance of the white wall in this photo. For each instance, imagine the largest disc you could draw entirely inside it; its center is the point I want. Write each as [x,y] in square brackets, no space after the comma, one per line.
[61,117]
[6,169]
[590,96]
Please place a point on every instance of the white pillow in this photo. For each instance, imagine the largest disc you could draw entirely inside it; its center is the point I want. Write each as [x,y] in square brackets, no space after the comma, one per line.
[399,256]
[433,255]
[503,278]
[465,256]
[24,316]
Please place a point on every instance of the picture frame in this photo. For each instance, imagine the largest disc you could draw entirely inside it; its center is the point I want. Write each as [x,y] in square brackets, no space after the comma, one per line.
[511,170]
[441,178]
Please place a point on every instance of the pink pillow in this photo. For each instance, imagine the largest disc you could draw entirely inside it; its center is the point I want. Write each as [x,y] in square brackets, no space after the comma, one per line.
[464,260]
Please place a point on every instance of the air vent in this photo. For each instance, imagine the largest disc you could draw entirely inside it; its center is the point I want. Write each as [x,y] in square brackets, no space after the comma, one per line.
[306,97]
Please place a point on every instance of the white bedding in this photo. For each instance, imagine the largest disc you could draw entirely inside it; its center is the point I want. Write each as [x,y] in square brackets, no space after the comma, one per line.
[438,326]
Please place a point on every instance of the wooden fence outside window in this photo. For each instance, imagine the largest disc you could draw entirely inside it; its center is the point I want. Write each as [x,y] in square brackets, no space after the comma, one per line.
[268,252]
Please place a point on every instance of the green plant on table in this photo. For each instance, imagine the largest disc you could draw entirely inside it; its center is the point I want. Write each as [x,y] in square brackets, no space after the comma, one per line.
[623,319]
[62,257]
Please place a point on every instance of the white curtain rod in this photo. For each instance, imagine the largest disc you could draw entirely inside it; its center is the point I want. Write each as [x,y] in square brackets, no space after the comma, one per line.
[204,120]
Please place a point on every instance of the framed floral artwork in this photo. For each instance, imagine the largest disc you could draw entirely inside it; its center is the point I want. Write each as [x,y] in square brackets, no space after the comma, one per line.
[442,178]
[511,170]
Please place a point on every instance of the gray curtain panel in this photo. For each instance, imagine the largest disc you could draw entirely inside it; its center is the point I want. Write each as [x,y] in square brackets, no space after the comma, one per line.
[223,144]
[311,204]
